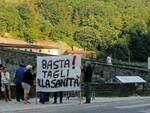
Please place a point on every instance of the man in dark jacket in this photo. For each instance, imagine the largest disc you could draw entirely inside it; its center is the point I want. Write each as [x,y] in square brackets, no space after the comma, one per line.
[19,78]
[27,82]
[88,71]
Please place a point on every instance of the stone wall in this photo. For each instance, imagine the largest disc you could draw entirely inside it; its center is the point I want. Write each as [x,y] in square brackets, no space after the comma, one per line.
[102,72]
[106,73]
[12,58]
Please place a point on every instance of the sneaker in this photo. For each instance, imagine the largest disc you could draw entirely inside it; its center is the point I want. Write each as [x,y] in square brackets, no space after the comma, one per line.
[17,102]
[9,100]
[86,103]
[41,102]
[27,102]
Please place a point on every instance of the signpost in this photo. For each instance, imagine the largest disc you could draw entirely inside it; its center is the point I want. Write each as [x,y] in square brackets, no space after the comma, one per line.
[0,61]
[148,62]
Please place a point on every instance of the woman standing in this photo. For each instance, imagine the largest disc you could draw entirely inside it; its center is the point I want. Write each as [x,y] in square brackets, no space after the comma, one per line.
[6,84]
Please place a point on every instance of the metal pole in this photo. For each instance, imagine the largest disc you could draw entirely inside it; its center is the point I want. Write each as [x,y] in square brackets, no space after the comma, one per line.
[36,97]
[80,99]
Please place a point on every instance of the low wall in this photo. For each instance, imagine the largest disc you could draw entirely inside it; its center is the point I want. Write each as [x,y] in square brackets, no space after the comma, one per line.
[13,92]
[103,74]
[99,90]
[106,73]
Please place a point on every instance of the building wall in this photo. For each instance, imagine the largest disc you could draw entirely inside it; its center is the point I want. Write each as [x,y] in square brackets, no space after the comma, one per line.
[45,51]
[54,52]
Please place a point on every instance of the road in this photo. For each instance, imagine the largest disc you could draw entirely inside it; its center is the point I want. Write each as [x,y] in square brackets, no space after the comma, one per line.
[130,106]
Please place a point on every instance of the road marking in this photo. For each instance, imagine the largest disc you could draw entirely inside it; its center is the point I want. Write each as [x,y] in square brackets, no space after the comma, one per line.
[146,111]
[133,106]
[59,107]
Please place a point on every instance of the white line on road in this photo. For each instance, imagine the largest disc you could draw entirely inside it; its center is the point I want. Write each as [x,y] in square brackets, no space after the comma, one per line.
[146,111]
[133,106]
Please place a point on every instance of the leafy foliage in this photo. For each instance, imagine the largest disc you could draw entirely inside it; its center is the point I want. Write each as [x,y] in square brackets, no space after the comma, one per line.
[121,27]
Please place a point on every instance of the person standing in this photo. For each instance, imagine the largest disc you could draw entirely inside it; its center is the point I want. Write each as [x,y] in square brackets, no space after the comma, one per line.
[27,83]
[109,59]
[56,95]
[19,78]
[88,71]
[6,84]
[44,97]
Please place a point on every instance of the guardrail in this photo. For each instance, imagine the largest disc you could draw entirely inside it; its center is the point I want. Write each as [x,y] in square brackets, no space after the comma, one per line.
[117,65]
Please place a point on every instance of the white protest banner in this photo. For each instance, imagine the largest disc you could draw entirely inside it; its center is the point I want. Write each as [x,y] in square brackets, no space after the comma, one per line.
[58,73]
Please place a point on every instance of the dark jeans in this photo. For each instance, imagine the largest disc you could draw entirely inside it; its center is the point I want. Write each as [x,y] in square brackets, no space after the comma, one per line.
[55,96]
[87,91]
[19,92]
[44,97]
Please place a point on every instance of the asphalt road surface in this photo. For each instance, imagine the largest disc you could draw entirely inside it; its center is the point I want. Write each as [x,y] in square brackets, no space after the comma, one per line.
[136,106]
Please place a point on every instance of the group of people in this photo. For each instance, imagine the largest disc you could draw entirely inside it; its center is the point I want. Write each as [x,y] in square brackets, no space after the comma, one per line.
[87,71]
[24,81]
[24,77]
[44,97]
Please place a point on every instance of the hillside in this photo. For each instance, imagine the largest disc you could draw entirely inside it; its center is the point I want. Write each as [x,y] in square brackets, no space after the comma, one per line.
[120,27]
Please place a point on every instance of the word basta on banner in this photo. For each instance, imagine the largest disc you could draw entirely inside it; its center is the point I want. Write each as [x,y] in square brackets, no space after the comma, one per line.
[58,73]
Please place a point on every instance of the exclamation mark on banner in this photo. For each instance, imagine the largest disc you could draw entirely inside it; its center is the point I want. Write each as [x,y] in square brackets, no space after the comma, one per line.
[73,62]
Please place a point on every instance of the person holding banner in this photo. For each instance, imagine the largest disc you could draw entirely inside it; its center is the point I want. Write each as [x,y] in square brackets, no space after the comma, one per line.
[55,97]
[44,97]
[88,71]
[58,74]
